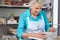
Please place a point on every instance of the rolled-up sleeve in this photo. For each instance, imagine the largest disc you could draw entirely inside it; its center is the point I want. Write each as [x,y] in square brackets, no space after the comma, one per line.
[20,29]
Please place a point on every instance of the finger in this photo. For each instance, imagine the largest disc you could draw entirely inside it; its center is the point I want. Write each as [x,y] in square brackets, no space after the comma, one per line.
[45,36]
[43,33]
[53,30]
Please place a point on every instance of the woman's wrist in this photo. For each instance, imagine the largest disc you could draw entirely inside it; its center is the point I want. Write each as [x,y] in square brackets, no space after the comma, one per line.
[28,35]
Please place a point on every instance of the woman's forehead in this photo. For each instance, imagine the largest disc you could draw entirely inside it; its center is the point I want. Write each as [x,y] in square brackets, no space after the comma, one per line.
[37,6]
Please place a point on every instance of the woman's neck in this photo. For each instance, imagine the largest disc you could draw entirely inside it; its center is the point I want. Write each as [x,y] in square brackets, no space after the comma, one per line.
[34,15]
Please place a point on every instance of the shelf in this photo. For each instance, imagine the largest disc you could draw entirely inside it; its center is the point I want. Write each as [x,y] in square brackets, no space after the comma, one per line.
[15,6]
[17,24]
[12,24]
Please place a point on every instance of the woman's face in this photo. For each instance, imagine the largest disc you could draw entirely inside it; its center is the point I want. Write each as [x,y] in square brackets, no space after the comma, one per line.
[36,9]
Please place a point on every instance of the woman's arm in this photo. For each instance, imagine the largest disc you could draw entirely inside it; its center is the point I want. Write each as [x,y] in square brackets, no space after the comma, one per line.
[35,35]
[20,29]
[47,24]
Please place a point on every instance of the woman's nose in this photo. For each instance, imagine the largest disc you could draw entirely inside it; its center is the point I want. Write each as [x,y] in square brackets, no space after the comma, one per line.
[38,10]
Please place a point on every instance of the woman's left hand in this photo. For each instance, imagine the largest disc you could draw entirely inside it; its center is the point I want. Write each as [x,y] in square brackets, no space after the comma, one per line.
[52,29]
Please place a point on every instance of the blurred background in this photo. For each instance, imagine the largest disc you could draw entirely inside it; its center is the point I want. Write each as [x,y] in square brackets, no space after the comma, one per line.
[13,9]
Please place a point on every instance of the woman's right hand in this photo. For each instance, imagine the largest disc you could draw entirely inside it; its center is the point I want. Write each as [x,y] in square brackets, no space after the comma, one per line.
[40,35]
[36,35]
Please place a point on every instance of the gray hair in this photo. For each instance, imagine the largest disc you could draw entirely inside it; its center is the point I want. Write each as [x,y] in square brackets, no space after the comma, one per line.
[32,3]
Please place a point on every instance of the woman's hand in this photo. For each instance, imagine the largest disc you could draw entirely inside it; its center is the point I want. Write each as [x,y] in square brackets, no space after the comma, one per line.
[40,35]
[52,29]
[36,35]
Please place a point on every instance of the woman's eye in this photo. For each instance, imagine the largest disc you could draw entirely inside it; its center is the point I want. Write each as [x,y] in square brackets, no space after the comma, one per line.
[40,8]
[37,8]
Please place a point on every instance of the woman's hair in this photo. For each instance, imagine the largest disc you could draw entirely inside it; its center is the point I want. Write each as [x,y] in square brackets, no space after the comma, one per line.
[32,3]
